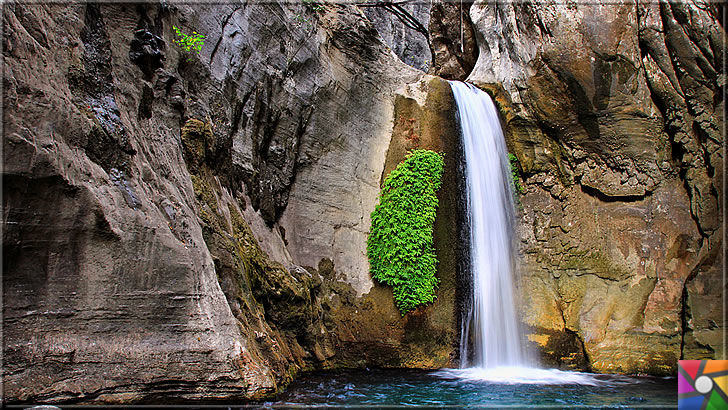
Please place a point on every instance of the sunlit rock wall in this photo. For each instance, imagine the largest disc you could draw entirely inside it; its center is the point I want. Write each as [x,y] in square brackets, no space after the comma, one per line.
[615,112]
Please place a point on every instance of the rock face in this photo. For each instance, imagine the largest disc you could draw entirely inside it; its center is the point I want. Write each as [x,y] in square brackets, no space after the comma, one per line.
[453,39]
[193,227]
[411,46]
[614,113]
[450,36]
[109,289]
[182,226]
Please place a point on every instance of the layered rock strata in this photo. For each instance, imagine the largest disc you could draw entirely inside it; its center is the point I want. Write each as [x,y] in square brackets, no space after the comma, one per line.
[186,226]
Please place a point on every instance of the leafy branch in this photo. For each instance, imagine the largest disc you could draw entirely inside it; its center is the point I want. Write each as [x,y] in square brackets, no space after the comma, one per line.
[191,44]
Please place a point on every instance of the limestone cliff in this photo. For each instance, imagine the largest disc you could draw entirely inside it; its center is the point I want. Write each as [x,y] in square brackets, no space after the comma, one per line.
[615,113]
[192,227]
[410,45]
[181,226]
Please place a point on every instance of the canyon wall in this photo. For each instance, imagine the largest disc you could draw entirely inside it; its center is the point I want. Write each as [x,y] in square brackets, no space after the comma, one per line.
[182,226]
[615,113]
[410,45]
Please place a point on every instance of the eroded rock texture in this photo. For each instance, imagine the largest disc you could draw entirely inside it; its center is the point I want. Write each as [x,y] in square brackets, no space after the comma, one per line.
[411,46]
[452,38]
[615,113]
[193,227]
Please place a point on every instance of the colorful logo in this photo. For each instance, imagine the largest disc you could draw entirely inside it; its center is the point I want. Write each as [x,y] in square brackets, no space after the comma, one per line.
[702,384]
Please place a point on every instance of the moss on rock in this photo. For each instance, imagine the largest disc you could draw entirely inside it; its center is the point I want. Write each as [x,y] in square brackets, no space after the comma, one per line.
[198,142]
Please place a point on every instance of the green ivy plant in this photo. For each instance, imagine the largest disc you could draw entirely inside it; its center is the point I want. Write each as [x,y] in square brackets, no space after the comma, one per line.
[189,43]
[515,174]
[400,243]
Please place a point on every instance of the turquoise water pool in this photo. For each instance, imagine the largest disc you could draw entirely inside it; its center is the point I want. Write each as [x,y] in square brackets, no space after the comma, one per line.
[457,388]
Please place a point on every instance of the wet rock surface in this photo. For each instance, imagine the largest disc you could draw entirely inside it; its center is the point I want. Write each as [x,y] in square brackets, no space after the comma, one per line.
[614,114]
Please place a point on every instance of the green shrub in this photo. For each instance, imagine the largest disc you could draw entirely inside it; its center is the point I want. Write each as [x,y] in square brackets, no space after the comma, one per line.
[515,174]
[400,245]
[190,44]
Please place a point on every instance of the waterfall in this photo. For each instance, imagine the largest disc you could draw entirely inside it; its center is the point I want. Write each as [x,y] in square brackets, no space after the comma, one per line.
[491,345]
[490,325]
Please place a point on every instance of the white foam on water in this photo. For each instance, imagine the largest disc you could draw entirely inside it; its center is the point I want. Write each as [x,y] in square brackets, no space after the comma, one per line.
[521,375]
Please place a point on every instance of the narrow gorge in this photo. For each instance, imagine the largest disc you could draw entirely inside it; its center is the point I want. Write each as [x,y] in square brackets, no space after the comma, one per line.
[184,226]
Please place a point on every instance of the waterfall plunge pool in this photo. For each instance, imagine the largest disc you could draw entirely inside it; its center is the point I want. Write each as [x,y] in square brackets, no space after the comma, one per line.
[501,373]
[473,387]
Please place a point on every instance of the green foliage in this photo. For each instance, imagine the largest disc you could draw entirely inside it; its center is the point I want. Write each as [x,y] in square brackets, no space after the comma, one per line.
[400,245]
[515,174]
[191,44]
[313,5]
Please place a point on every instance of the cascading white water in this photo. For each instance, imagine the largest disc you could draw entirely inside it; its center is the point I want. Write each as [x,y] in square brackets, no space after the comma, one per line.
[490,325]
